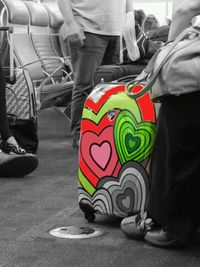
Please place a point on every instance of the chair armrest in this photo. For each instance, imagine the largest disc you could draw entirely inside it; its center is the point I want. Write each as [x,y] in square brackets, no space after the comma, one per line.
[68,74]
[44,58]
[50,76]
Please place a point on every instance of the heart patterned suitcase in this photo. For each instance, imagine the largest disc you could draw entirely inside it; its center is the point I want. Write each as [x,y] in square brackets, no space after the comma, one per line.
[117,137]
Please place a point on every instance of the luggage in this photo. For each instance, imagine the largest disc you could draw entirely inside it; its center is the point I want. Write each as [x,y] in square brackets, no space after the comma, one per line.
[117,136]
[20,102]
[108,73]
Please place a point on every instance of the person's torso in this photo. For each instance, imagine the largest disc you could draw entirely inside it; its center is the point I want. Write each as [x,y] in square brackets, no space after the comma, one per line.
[100,16]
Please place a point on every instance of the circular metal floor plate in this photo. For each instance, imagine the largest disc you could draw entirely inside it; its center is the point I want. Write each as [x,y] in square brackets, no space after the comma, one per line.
[75,232]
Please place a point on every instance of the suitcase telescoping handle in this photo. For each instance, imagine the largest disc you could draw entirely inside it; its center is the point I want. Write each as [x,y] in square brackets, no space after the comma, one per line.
[10,30]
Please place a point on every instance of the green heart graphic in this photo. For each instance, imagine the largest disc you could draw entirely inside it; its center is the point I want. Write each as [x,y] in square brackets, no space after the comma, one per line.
[133,140]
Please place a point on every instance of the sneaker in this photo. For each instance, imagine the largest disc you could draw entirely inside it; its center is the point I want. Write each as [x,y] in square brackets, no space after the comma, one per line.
[142,41]
[12,165]
[136,226]
[12,149]
[134,45]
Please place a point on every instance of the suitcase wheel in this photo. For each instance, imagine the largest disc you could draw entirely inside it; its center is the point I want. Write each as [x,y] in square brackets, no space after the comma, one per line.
[88,211]
[90,217]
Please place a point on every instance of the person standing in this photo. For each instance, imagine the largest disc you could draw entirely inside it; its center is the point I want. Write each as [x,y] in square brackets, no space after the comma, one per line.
[174,200]
[14,161]
[92,30]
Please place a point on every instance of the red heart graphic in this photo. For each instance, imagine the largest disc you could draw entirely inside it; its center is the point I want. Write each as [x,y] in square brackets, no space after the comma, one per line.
[87,124]
[93,165]
[144,102]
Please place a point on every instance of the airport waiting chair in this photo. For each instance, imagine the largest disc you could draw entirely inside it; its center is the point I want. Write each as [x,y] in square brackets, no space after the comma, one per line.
[46,20]
[55,23]
[43,70]
[45,45]
[15,14]
[39,37]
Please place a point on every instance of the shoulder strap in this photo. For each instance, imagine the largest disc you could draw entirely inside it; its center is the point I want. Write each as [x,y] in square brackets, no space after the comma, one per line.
[148,76]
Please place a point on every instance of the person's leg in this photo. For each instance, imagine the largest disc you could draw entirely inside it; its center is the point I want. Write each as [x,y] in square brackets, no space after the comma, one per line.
[15,162]
[85,61]
[174,198]
[4,126]
[9,143]
[175,167]
[112,51]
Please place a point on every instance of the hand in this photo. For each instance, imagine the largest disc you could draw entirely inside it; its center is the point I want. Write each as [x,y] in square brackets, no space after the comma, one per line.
[76,40]
[76,36]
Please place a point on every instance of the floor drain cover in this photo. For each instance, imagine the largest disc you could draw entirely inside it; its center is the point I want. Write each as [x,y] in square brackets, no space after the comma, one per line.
[75,232]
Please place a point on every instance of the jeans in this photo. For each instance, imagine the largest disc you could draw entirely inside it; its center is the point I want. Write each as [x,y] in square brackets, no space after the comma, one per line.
[97,50]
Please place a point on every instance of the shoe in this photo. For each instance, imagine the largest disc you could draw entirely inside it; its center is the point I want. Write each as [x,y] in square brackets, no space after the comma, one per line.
[129,49]
[17,165]
[161,238]
[136,226]
[134,43]
[142,41]
[12,149]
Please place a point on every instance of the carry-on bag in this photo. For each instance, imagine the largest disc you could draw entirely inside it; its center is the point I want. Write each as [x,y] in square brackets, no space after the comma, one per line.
[108,73]
[117,137]
[20,102]
[174,69]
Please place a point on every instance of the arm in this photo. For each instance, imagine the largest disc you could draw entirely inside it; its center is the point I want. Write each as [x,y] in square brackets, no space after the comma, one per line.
[129,5]
[74,30]
[183,12]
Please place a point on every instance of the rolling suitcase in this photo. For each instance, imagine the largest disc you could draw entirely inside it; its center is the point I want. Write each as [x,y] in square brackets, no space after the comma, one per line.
[117,136]
[108,73]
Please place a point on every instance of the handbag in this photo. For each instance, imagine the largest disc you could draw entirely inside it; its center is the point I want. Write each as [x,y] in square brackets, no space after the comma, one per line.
[22,110]
[173,70]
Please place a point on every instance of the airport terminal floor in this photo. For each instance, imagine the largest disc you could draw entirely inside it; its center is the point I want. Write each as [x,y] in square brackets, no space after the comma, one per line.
[47,199]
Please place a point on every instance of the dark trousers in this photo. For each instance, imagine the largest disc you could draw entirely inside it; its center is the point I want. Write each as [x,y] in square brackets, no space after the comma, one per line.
[97,50]
[5,132]
[174,200]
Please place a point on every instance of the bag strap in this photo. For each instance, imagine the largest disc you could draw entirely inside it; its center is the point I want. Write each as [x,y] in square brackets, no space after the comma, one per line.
[11,30]
[147,75]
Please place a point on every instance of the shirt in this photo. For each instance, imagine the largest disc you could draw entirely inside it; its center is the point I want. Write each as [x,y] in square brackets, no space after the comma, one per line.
[105,17]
